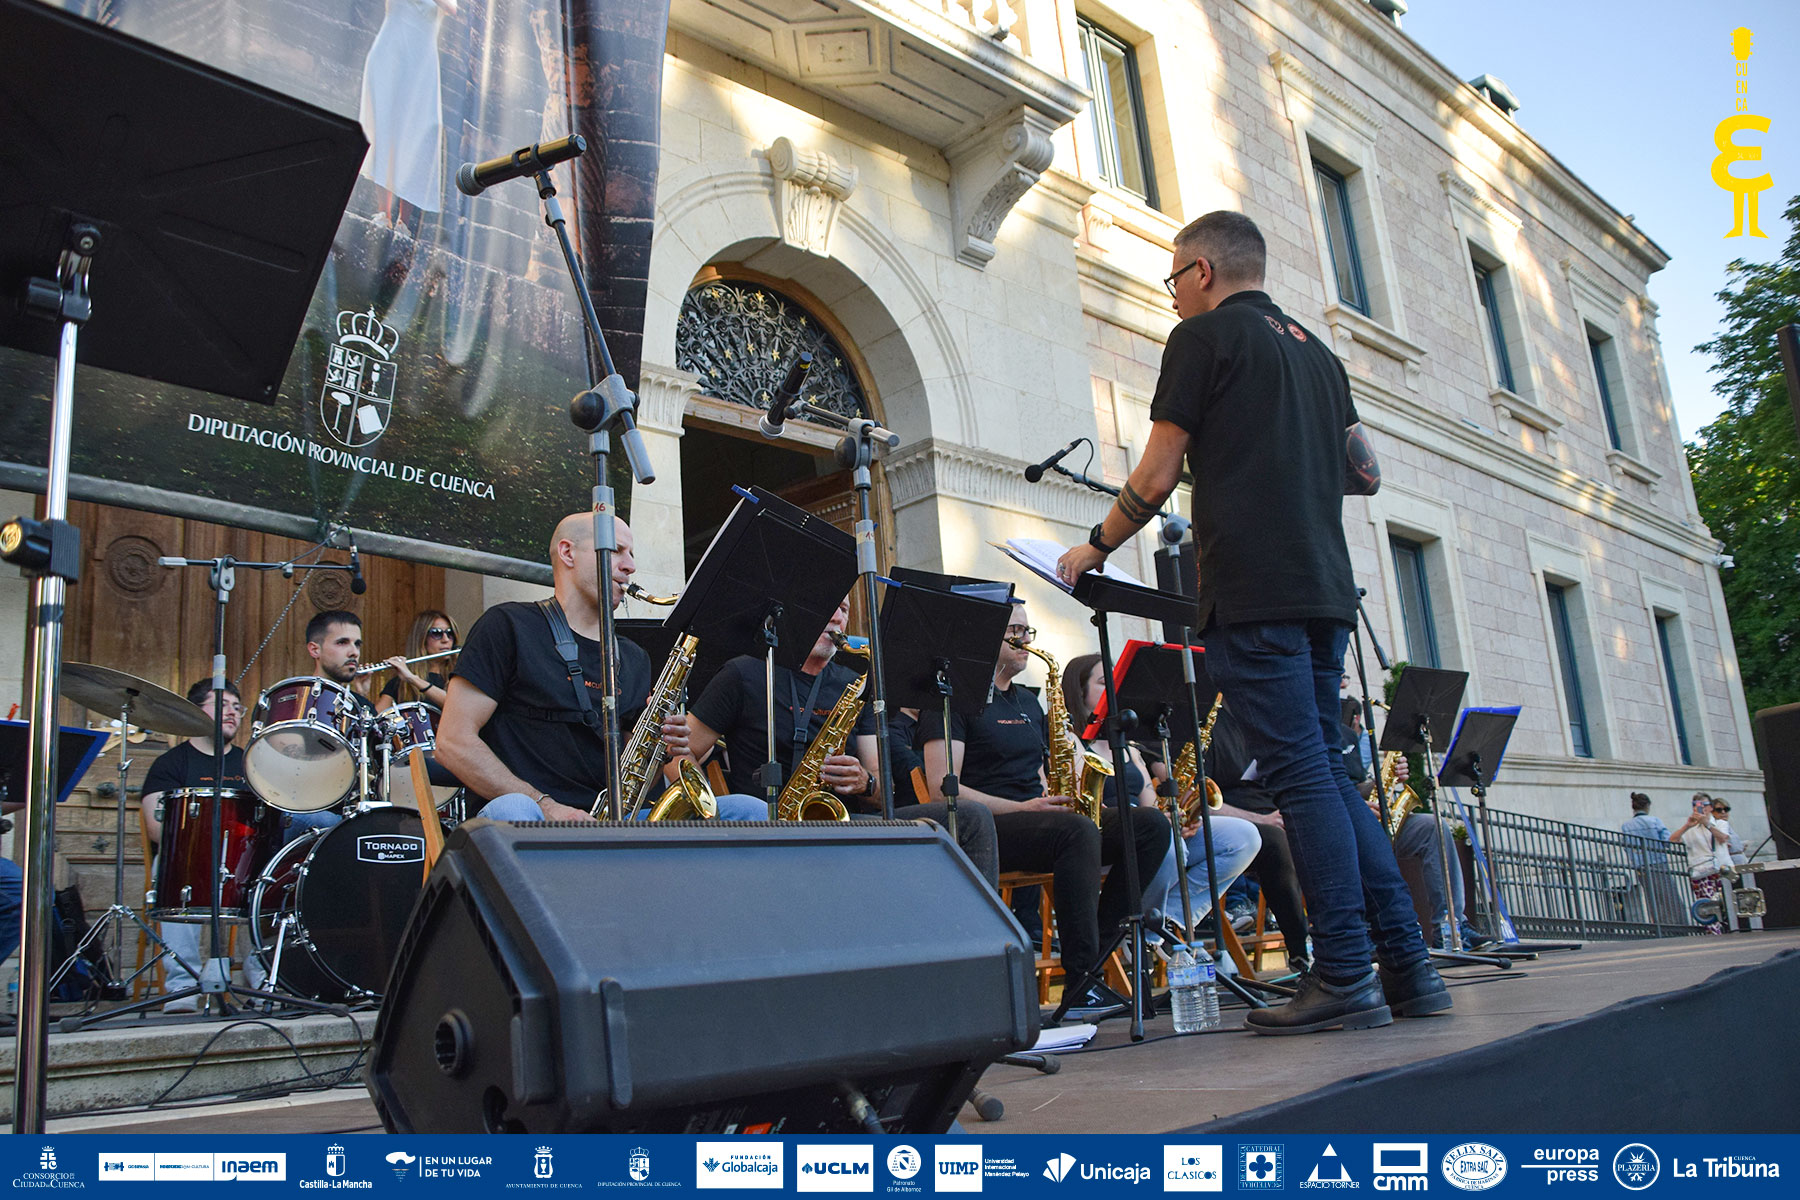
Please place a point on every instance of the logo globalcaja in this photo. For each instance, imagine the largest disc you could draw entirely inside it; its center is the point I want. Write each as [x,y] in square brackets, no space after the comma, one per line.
[903,1162]
[1402,1167]
[638,1165]
[1329,1172]
[1259,1167]
[1474,1166]
[834,1168]
[739,1165]
[1193,1168]
[958,1168]
[1636,1167]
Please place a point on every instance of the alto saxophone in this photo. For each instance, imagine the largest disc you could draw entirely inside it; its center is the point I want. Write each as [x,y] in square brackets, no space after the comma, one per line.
[641,765]
[1077,773]
[805,797]
[1402,804]
[1187,771]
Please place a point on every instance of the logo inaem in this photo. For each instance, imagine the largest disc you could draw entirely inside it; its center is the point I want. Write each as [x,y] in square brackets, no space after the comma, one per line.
[1058,1168]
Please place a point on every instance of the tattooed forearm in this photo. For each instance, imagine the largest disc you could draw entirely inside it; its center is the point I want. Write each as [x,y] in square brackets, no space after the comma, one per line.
[1137,510]
[1362,471]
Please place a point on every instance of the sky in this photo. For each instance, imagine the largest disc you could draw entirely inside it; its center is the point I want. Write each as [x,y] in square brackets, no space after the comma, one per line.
[1626,94]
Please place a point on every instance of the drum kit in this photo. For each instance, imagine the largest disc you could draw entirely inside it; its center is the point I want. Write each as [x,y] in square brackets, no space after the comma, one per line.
[325,911]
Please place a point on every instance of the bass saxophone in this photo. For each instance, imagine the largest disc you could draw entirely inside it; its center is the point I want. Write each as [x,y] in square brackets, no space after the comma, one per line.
[1187,771]
[805,797]
[688,798]
[1073,770]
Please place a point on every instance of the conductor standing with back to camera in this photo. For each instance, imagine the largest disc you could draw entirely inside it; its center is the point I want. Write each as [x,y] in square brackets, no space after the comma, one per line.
[1261,410]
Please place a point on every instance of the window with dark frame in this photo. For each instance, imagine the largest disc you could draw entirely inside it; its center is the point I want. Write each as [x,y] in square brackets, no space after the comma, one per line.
[1571,676]
[1496,325]
[1597,351]
[1120,134]
[1340,236]
[1668,658]
[1415,601]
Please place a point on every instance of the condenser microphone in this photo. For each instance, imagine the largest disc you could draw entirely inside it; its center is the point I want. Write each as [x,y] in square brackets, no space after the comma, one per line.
[1035,471]
[358,584]
[474,178]
[786,394]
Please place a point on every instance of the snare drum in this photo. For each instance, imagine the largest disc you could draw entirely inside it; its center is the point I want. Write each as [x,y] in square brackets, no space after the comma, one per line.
[250,834]
[409,727]
[338,900]
[305,744]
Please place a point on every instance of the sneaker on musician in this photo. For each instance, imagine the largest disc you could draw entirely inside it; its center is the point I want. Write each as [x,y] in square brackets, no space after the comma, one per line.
[255,974]
[1318,1005]
[183,1004]
[1241,916]
[1097,1003]
[1416,991]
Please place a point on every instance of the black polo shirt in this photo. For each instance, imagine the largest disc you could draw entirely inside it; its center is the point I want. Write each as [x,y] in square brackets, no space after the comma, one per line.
[732,706]
[1266,404]
[1003,748]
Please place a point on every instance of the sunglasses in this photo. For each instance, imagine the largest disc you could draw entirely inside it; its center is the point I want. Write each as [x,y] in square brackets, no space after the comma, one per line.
[440,631]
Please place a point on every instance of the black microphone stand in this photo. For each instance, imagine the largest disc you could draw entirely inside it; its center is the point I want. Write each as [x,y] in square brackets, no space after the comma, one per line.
[603,407]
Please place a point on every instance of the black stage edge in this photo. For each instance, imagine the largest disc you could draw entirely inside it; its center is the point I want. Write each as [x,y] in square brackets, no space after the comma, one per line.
[1613,1071]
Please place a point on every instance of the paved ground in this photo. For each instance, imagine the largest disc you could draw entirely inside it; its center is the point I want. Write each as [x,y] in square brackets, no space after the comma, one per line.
[1164,1082]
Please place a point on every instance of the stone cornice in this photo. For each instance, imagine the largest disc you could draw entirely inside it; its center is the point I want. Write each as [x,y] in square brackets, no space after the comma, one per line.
[932,468]
[1594,293]
[1545,768]
[1479,204]
[663,395]
[1299,81]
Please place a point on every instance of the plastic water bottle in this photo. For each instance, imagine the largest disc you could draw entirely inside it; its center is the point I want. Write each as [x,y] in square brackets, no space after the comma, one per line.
[1446,938]
[1193,991]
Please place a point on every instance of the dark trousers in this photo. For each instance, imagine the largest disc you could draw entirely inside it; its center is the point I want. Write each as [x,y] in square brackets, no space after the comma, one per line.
[974,833]
[1067,845]
[1273,867]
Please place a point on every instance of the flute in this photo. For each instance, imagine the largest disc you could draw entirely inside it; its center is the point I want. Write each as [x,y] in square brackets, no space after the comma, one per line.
[382,666]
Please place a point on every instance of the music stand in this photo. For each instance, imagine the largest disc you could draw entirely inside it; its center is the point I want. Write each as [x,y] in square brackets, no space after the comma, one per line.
[216,202]
[941,649]
[771,580]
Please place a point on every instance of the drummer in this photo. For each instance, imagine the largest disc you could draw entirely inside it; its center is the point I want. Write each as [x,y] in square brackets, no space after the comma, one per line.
[191,765]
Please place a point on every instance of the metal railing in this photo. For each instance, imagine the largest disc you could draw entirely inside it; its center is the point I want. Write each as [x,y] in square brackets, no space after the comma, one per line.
[1567,880]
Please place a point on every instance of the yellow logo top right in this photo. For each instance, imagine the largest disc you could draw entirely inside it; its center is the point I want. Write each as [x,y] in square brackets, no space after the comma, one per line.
[1743,191]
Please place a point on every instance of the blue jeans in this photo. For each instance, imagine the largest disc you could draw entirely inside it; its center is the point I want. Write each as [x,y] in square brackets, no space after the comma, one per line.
[516,806]
[12,908]
[1235,843]
[299,825]
[1281,680]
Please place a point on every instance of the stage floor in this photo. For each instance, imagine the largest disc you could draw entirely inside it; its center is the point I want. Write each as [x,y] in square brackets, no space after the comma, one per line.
[1161,1085]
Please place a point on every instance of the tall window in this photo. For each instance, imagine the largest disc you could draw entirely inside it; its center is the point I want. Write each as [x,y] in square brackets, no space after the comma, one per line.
[1340,233]
[1415,602]
[1496,325]
[1597,351]
[1571,676]
[1121,143]
[1675,698]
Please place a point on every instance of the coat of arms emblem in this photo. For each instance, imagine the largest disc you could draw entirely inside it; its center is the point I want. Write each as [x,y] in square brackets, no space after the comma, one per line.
[358,397]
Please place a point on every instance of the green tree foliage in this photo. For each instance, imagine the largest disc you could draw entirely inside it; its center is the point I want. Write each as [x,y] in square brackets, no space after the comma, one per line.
[1746,468]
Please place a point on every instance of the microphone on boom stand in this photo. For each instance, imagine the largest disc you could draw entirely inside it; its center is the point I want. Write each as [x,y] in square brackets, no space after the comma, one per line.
[785,395]
[474,178]
[1035,471]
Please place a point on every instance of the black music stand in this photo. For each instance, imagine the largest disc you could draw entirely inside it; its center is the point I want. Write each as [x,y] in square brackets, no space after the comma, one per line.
[771,581]
[941,649]
[215,202]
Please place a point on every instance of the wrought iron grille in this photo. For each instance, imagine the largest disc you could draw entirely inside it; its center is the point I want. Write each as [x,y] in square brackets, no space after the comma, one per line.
[1562,879]
[741,338]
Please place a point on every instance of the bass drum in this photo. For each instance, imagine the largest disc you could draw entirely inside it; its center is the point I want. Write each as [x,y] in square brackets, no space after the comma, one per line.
[337,901]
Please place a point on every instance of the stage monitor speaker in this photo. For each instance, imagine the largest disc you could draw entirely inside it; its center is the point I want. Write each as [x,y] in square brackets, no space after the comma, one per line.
[699,977]
[1778,749]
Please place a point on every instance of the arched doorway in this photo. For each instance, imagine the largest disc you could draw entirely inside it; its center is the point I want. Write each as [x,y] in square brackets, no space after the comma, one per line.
[739,331]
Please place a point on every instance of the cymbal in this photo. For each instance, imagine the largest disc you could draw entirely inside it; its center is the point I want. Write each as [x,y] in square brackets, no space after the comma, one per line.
[106,691]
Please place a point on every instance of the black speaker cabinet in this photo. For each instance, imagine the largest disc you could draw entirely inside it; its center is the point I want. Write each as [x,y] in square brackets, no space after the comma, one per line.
[699,977]
[1778,747]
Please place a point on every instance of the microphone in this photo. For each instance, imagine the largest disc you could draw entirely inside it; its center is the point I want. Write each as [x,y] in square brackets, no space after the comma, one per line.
[786,394]
[474,178]
[358,584]
[1035,471]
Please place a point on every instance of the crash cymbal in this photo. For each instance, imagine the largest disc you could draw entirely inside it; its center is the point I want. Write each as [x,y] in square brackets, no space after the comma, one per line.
[107,691]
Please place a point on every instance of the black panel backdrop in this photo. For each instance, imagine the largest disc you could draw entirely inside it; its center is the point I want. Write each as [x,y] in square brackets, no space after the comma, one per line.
[426,403]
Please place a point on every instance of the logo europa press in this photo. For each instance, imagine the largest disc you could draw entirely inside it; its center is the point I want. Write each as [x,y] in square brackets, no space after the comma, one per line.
[1636,1166]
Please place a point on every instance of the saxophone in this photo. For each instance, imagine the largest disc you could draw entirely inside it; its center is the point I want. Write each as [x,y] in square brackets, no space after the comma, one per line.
[1187,769]
[1401,804]
[805,797]
[642,762]
[1077,773]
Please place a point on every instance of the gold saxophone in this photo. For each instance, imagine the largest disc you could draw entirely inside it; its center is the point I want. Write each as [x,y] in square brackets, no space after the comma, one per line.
[688,798]
[805,797]
[1079,774]
[1187,770]
[1401,804]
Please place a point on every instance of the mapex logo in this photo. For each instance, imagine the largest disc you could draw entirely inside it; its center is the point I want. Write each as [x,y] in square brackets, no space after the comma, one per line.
[1329,1172]
[1565,1164]
[638,1165]
[390,848]
[358,396]
[1193,1168]
[1474,1166]
[834,1168]
[1259,1167]
[1402,1167]
[903,1162]
[1636,1167]
[738,1165]
[958,1168]
[1063,1167]
[193,1168]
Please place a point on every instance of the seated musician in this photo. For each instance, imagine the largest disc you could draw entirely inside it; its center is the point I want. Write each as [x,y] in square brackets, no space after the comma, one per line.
[1420,841]
[999,759]
[514,729]
[433,632]
[1235,840]
[733,709]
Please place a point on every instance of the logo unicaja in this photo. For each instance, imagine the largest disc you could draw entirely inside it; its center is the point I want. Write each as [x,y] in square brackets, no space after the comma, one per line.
[1058,1167]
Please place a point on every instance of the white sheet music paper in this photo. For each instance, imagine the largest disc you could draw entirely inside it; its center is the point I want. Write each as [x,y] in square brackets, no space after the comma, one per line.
[1039,555]
[1068,1037]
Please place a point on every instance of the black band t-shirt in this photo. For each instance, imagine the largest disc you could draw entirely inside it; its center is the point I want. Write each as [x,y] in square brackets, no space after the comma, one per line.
[536,730]
[1003,747]
[732,706]
[184,766]
[1266,404]
[394,685]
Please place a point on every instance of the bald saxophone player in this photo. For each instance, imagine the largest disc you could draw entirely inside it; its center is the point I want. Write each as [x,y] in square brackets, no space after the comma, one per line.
[514,729]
